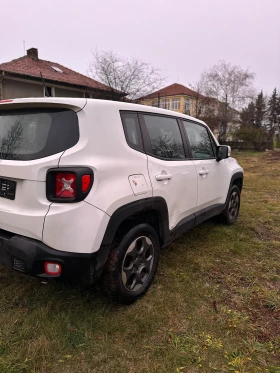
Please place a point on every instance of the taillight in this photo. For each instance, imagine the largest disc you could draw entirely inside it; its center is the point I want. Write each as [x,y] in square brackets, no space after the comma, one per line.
[86,181]
[65,185]
[69,184]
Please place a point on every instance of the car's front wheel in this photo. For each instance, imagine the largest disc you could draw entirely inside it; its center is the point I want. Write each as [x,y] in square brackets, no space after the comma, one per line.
[132,264]
[231,212]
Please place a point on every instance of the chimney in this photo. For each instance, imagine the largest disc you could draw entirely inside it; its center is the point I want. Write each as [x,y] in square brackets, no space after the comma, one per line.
[32,52]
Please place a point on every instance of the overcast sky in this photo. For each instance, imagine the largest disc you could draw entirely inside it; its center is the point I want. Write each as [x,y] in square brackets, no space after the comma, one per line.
[180,37]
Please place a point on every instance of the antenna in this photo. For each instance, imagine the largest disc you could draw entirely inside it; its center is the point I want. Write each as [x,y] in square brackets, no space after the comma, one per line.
[43,81]
[24,47]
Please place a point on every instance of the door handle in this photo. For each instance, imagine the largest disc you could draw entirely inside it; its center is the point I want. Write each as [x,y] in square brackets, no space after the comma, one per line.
[163,177]
[203,172]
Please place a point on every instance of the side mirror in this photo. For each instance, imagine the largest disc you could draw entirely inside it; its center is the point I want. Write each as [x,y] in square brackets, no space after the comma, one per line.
[223,152]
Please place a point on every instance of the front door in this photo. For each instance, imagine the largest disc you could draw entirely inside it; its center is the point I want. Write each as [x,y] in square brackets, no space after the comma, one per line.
[173,175]
[212,175]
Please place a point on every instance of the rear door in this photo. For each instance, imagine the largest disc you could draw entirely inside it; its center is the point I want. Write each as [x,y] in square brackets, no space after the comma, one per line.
[32,140]
[173,175]
[212,175]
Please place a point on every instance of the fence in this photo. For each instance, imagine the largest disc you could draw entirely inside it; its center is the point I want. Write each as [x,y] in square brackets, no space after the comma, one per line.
[249,145]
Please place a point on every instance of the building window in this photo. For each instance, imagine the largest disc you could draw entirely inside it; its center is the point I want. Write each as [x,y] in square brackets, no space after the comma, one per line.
[155,103]
[165,104]
[175,104]
[49,91]
[187,104]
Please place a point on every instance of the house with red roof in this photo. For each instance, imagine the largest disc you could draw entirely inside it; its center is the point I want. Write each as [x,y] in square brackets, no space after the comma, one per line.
[177,97]
[174,97]
[29,76]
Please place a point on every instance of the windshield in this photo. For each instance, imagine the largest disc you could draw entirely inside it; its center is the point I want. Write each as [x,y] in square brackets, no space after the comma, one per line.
[33,134]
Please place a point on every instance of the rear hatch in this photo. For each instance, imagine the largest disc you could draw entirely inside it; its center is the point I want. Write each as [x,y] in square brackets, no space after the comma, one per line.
[34,133]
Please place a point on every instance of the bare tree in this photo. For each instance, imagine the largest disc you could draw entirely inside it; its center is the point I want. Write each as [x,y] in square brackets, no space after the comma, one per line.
[131,77]
[12,141]
[230,87]
[200,99]
[163,146]
[205,107]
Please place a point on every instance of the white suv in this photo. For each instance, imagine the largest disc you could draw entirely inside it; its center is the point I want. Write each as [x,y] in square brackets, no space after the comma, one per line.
[91,186]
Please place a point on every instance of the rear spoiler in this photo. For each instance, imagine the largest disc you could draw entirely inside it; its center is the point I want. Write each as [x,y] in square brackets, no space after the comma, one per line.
[75,104]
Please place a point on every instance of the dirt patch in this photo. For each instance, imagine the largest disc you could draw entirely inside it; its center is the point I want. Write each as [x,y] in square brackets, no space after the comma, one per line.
[264,322]
[273,156]
[264,233]
[267,324]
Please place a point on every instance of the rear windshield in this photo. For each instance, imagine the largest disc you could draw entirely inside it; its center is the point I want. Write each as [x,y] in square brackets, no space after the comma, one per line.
[32,134]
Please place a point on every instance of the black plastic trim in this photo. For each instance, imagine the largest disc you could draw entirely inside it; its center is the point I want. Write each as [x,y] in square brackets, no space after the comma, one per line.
[74,265]
[79,172]
[35,253]
[185,225]
[208,213]
[157,204]
[235,176]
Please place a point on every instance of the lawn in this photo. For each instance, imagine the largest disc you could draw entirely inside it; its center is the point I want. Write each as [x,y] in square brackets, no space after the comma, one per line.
[214,305]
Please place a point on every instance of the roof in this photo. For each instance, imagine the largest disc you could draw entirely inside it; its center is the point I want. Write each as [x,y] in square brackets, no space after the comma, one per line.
[32,67]
[84,103]
[171,90]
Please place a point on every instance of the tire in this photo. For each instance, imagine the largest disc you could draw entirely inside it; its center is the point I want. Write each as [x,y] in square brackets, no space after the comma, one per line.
[231,212]
[132,264]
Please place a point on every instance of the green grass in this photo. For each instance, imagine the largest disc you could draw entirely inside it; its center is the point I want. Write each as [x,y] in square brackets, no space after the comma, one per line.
[214,305]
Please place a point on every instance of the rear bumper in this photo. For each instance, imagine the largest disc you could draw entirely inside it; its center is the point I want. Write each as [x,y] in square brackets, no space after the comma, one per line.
[27,256]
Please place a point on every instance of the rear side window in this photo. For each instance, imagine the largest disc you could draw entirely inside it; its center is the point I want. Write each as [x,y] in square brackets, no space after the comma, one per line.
[165,137]
[132,130]
[32,134]
[199,140]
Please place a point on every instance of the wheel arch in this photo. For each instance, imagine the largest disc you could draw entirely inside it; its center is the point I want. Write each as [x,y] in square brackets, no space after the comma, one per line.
[153,211]
[237,179]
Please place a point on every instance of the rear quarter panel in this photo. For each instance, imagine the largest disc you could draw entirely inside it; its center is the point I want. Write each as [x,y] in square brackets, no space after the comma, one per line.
[80,227]
[104,149]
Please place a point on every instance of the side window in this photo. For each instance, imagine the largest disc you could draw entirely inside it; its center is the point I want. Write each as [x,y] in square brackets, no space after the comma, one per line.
[214,145]
[199,140]
[165,137]
[132,130]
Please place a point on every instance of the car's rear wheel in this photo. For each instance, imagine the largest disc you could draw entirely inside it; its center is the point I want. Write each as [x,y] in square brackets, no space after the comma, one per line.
[132,264]
[231,212]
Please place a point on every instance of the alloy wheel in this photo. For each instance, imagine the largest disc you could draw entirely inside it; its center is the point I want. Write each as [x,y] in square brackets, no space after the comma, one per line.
[233,205]
[137,263]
